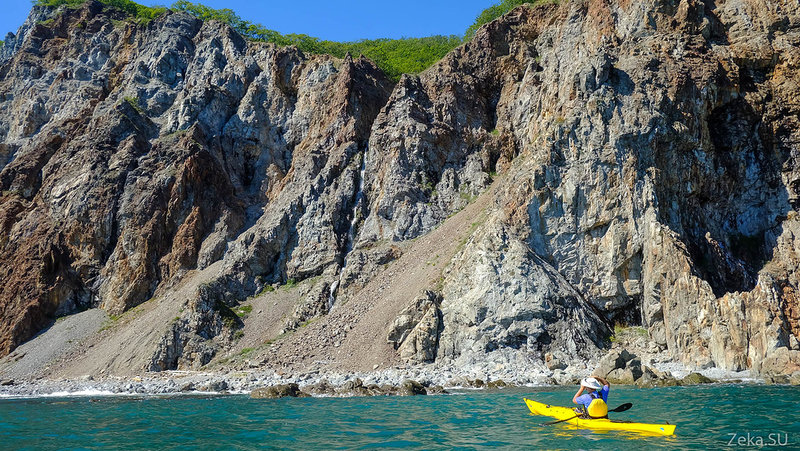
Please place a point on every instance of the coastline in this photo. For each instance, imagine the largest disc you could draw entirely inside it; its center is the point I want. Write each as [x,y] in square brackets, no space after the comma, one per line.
[316,384]
[632,361]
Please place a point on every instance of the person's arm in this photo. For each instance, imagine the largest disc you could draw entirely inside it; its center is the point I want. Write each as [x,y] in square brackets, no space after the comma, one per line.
[606,388]
[575,398]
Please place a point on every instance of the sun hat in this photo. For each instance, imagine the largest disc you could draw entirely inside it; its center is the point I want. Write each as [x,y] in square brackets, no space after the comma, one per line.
[590,382]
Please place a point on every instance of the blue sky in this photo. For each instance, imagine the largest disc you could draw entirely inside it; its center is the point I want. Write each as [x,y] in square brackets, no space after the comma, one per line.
[334,20]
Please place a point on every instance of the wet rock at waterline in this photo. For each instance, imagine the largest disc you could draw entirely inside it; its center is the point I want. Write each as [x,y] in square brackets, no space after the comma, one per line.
[355,387]
[278,391]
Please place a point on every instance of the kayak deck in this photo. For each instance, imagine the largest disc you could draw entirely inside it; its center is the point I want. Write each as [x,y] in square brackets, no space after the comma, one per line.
[603,424]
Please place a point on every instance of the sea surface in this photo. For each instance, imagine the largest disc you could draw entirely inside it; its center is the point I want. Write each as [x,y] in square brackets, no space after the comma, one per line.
[707,417]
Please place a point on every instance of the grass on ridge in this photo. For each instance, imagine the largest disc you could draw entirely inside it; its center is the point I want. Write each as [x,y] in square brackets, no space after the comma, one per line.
[394,56]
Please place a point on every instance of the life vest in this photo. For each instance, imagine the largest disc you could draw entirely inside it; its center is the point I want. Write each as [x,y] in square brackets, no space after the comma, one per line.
[597,408]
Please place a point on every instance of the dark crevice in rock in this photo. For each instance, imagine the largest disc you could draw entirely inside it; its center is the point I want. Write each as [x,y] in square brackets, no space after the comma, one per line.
[725,234]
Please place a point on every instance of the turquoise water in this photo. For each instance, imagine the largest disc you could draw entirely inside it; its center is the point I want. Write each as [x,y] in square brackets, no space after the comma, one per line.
[706,417]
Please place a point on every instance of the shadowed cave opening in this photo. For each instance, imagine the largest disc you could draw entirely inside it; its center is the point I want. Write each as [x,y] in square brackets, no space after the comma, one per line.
[727,196]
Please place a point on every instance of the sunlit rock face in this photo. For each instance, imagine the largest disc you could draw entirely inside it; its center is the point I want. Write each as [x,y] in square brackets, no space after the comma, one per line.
[646,156]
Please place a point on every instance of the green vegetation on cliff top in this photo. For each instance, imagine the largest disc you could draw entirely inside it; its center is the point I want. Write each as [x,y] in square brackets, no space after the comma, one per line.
[394,56]
[497,10]
[142,13]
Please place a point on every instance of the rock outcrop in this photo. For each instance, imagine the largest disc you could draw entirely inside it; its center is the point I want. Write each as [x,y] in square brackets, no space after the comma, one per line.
[415,332]
[622,367]
[643,158]
[278,391]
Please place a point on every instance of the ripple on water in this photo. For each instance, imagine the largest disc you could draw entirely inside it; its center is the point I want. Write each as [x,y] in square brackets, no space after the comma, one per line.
[706,416]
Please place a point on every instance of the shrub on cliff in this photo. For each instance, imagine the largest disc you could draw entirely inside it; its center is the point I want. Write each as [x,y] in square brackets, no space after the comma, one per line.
[497,10]
[141,12]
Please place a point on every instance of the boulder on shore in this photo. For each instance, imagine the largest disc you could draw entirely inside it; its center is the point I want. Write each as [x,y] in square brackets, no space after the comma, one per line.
[620,366]
[781,362]
[614,359]
[695,379]
[411,387]
[279,391]
[321,388]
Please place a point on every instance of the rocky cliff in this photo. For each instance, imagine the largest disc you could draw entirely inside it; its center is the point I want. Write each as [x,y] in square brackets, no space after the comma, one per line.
[594,163]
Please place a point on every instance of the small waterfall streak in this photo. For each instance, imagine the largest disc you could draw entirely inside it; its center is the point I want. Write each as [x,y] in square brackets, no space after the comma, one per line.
[351,233]
[332,293]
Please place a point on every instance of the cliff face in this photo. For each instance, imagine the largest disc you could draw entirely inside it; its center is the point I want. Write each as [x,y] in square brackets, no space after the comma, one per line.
[642,158]
[141,153]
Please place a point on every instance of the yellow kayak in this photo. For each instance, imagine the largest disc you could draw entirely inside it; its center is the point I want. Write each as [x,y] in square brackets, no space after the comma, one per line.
[603,424]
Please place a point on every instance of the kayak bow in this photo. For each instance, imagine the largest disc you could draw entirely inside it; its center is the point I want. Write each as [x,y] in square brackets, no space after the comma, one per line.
[602,424]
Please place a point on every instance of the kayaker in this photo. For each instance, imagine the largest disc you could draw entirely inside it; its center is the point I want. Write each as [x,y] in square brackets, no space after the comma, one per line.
[594,401]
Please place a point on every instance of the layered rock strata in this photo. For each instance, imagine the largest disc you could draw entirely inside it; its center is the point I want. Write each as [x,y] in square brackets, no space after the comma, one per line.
[643,157]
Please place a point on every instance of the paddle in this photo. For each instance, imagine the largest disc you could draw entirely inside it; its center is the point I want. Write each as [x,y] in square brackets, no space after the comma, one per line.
[621,408]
